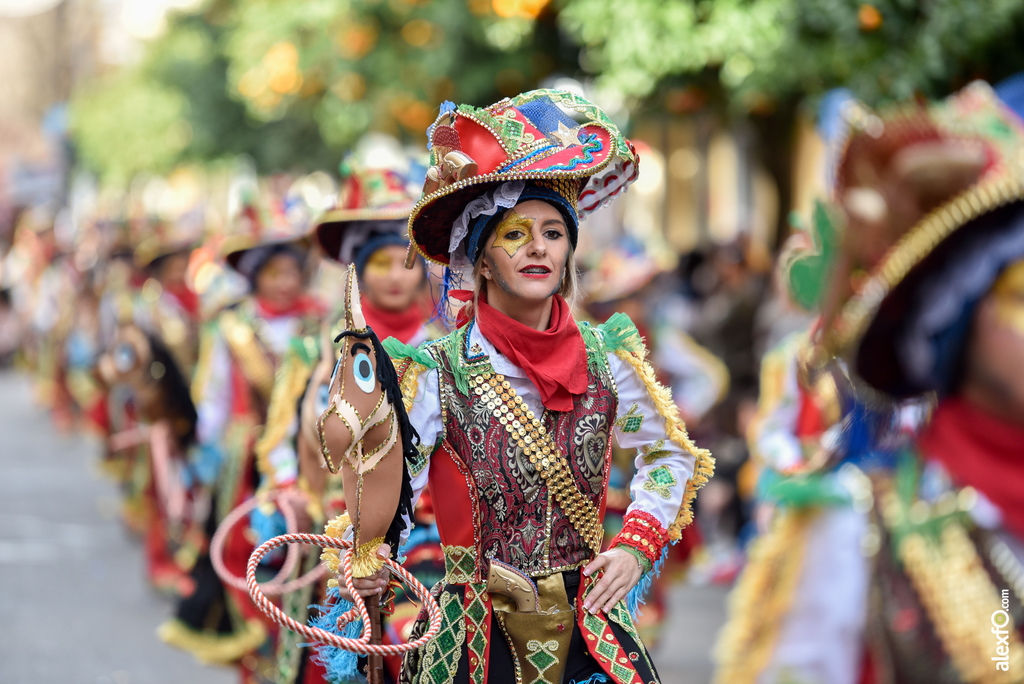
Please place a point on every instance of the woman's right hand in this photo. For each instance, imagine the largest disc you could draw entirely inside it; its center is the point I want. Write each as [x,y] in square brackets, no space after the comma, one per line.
[375,584]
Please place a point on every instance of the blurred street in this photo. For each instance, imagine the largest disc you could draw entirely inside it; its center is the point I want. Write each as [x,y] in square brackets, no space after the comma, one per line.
[75,603]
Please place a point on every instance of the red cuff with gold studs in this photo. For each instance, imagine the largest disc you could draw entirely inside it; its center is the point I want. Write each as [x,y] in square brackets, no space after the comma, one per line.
[643,532]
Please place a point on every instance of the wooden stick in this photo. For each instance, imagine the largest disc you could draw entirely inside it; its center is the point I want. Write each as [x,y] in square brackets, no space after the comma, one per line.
[374,663]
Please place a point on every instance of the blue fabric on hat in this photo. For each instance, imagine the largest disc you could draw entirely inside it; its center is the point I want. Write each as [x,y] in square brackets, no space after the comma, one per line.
[545,115]
[482,226]
[376,242]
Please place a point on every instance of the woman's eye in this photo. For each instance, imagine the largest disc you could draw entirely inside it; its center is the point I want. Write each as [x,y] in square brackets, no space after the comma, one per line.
[362,371]
[552,234]
[513,235]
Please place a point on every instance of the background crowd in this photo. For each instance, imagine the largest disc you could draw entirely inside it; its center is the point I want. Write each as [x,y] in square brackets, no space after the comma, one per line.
[146,147]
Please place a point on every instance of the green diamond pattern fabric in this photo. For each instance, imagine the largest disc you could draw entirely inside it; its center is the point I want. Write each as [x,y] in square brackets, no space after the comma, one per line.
[660,481]
[459,564]
[441,658]
[542,656]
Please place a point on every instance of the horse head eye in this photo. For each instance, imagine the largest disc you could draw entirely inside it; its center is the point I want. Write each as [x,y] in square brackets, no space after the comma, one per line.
[362,371]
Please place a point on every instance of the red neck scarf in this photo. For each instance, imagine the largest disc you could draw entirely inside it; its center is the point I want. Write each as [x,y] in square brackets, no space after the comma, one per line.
[402,325]
[981,451]
[186,298]
[555,360]
[303,306]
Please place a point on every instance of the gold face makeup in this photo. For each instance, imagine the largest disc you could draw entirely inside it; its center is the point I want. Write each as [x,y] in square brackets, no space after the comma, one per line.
[379,263]
[1008,293]
[513,223]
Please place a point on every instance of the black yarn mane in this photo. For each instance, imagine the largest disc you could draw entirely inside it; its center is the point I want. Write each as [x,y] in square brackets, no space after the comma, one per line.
[176,393]
[387,376]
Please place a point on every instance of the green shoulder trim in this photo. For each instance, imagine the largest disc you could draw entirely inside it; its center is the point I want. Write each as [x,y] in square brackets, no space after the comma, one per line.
[619,333]
[399,350]
[305,348]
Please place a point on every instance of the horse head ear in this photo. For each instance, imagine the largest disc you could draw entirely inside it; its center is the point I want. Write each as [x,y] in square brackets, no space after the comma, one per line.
[353,307]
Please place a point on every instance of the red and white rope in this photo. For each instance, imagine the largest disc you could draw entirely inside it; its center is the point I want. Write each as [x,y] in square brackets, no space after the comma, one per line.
[361,645]
[276,586]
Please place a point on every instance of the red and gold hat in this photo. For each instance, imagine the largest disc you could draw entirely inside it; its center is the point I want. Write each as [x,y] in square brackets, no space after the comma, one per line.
[267,220]
[928,204]
[554,139]
[371,202]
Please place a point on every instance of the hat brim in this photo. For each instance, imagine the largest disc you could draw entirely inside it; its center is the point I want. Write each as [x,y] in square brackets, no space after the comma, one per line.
[431,220]
[236,245]
[150,250]
[872,325]
[331,228]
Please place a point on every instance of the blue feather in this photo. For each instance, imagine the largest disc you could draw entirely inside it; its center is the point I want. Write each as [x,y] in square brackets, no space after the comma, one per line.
[342,666]
[597,678]
[637,595]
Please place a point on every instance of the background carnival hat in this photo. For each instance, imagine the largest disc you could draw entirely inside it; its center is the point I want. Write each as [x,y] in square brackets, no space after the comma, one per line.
[163,237]
[928,209]
[534,136]
[279,220]
[620,270]
[372,208]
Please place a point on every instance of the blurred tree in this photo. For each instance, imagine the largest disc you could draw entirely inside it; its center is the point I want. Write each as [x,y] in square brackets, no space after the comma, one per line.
[174,106]
[764,51]
[293,84]
[374,65]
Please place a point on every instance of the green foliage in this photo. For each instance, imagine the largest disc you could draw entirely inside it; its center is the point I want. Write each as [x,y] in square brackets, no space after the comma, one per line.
[371,65]
[882,50]
[293,84]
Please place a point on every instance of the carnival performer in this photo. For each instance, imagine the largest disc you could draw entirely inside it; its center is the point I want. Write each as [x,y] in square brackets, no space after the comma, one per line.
[925,298]
[515,410]
[162,333]
[366,228]
[239,353]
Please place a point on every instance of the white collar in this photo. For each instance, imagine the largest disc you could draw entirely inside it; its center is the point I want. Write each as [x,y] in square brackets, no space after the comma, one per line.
[499,362]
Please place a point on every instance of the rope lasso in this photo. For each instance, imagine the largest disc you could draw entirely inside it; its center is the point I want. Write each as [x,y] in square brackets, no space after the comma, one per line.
[361,645]
[277,585]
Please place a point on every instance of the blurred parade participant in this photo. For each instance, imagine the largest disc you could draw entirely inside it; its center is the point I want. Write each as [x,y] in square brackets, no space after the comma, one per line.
[925,298]
[239,354]
[152,355]
[516,408]
[367,229]
[623,280]
[809,555]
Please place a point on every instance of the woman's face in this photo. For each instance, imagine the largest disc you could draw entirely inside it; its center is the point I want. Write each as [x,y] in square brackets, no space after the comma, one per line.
[173,269]
[995,356]
[525,257]
[279,282]
[387,283]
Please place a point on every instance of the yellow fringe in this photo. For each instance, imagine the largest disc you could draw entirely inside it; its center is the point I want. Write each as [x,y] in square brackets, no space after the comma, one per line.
[364,563]
[761,599]
[204,364]
[210,648]
[256,367]
[284,400]
[675,430]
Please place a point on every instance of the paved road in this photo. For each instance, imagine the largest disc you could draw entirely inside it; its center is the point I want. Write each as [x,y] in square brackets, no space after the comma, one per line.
[75,606]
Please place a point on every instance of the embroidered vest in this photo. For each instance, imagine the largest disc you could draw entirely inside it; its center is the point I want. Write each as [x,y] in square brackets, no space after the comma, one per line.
[518,520]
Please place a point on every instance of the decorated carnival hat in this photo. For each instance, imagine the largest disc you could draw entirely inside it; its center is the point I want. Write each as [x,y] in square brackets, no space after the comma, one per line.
[371,212]
[927,212]
[620,270]
[544,144]
[161,238]
[261,229]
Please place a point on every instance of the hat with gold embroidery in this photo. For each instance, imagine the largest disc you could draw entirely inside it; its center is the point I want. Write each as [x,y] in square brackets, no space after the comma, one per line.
[927,212]
[552,145]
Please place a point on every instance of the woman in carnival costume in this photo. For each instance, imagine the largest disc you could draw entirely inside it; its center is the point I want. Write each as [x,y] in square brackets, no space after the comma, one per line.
[240,351]
[926,300]
[367,228]
[515,410]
